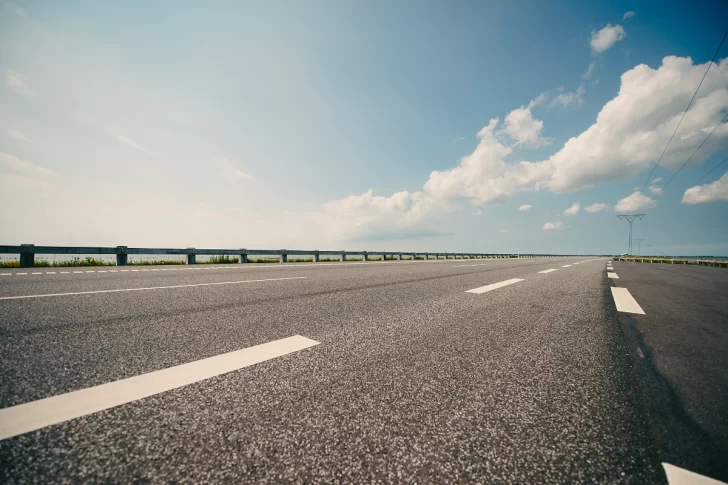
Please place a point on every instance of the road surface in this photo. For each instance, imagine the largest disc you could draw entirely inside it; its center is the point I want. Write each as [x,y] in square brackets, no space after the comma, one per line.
[498,371]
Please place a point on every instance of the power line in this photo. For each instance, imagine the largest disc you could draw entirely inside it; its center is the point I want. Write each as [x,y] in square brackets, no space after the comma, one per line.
[686,111]
[714,169]
[691,156]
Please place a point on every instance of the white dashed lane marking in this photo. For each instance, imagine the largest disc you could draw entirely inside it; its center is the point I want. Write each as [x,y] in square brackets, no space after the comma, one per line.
[566,266]
[625,302]
[548,270]
[35,415]
[493,286]
[680,476]
[613,276]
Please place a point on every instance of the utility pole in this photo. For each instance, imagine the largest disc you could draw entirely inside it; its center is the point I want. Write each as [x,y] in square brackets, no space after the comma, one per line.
[650,246]
[639,246]
[630,218]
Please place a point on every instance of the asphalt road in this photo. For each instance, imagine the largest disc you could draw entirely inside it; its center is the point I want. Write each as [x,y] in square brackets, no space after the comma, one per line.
[414,379]
[680,347]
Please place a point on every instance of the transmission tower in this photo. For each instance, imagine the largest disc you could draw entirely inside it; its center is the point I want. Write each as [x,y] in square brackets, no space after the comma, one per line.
[630,218]
[639,246]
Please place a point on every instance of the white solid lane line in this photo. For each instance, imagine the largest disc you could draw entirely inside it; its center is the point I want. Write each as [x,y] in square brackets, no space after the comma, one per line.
[21,297]
[494,286]
[548,270]
[625,302]
[35,415]
[464,265]
[566,266]
[680,476]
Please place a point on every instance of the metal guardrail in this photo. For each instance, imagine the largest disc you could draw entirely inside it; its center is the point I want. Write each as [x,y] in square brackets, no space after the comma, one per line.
[697,262]
[27,253]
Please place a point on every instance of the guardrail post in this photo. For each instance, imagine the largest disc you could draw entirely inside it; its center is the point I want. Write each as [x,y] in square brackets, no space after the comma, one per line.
[243,256]
[191,256]
[284,256]
[343,256]
[414,256]
[316,257]
[122,259]
[365,256]
[27,256]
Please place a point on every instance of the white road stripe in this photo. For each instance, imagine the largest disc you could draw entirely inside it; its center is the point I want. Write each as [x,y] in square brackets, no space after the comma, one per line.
[51,272]
[35,415]
[103,271]
[65,272]
[494,286]
[21,297]
[566,266]
[6,274]
[90,271]
[18,274]
[548,270]
[639,351]
[36,273]
[680,476]
[613,276]
[625,302]
[78,272]
[463,265]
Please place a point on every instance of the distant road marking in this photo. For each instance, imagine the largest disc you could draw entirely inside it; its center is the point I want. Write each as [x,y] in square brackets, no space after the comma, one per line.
[494,286]
[566,266]
[463,265]
[639,351]
[6,274]
[64,272]
[20,273]
[548,270]
[576,263]
[51,272]
[90,271]
[625,302]
[103,271]
[35,415]
[36,273]
[613,275]
[150,288]
[77,272]
[680,476]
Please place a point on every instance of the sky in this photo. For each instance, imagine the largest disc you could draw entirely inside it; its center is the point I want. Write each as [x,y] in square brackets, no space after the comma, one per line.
[506,127]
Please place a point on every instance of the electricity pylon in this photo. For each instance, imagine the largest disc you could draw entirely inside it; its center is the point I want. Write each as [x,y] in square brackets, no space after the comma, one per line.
[630,218]
[639,246]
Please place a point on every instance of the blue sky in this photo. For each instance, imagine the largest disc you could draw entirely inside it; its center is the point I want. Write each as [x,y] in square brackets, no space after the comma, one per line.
[267,124]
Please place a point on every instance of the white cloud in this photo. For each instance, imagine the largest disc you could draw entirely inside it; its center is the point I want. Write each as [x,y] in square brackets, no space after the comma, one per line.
[16,82]
[573,210]
[128,141]
[655,190]
[504,230]
[595,207]
[14,162]
[628,15]
[605,38]
[632,129]
[589,70]
[713,192]
[525,207]
[478,212]
[18,135]
[459,138]
[523,128]
[657,180]
[551,226]
[635,202]
[566,99]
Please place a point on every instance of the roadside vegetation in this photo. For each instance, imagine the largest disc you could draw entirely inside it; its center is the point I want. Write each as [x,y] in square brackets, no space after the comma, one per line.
[220,260]
[43,263]
[300,260]
[156,262]
[264,260]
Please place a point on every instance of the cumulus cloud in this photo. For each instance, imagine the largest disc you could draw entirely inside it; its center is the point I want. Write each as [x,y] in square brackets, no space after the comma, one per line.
[15,81]
[632,129]
[605,38]
[525,207]
[573,210]
[655,190]
[629,134]
[566,99]
[16,163]
[551,226]
[635,202]
[595,207]
[18,135]
[129,142]
[628,15]
[703,194]
[524,129]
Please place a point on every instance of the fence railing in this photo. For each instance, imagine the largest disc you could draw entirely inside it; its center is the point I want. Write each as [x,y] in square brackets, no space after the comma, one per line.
[665,260]
[27,253]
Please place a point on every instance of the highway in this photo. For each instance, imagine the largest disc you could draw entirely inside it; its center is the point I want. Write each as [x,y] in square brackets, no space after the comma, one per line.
[496,371]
